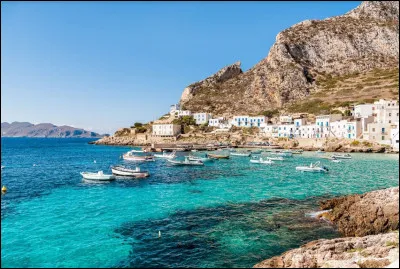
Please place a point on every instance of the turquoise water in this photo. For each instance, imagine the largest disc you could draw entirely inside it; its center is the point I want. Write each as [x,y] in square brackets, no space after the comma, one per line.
[229,213]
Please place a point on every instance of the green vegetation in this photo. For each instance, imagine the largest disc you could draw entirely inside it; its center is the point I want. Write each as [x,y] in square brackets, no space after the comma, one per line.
[141,129]
[355,143]
[185,120]
[335,111]
[392,244]
[347,113]
[270,113]
[316,106]
[138,124]
[367,144]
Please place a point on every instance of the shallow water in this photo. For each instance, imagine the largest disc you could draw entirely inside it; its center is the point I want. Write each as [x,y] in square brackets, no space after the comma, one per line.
[229,213]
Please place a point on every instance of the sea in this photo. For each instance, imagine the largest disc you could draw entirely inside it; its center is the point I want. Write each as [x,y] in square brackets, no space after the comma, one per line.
[227,213]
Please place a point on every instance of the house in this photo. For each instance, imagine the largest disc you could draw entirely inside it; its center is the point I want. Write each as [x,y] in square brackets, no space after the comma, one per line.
[346,129]
[338,128]
[247,121]
[173,109]
[378,132]
[270,130]
[363,110]
[201,118]
[394,136]
[166,130]
[286,119]
[323,124]
[307,131]
[286,130]
[216,122]
[182,113]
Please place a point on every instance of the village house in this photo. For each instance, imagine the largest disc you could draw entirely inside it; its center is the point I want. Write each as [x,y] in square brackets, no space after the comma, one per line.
[247,121]
[166,130]
[201,118]
[323,124]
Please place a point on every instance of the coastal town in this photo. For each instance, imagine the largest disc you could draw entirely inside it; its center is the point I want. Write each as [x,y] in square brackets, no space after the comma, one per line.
[366,123]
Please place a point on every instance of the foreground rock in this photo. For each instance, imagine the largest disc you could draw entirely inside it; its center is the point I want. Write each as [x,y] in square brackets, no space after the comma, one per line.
[371,213]
[374,215]
[373,251]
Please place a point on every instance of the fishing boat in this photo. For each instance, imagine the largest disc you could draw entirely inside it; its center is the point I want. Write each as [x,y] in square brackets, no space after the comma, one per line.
[137,151]
[131,157]
[341,156]
[242,154]
[336,161]
[197,158]
[284,153]
[297,151]
[216,156]
[120,170]
[165,155]
[320,152]
[315,168]
[259,151]
[194,150]
[185,162]
[276,158]
[261,161]
[99,176]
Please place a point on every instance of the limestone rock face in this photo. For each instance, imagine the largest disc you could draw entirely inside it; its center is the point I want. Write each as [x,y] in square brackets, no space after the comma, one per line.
[373,251]
[362,40]
[371,213]
[222,75]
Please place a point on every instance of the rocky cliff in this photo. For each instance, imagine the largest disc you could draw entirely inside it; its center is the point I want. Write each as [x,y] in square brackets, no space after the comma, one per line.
[311,58]
[26,129]
[372,217]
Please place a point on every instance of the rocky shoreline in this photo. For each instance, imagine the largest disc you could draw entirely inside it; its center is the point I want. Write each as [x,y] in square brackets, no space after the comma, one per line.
[373,218]
[327,145]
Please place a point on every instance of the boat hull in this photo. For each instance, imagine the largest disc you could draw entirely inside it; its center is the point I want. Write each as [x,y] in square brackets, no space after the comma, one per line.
[311,170]
[97,177]
[218,156]
[130,173]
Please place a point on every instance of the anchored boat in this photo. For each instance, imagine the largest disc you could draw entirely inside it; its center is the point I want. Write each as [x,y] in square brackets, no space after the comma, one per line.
[186,162]
[216,156]
[316,168]
[203,159]
[99,176]
[261,160]
[165,155]
[276,158]
[120,170]
[241,154]
[341,156]
[129,156]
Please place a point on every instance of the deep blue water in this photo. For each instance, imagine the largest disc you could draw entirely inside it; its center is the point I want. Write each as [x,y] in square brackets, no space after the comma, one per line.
[229,213]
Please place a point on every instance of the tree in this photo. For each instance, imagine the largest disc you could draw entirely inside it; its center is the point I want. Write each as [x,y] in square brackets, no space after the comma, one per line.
[188,120]
[270,113]
[347,113]
[138,124]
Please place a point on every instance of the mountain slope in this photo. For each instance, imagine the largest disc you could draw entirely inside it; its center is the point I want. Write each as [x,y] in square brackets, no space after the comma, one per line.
[305,59]
[26,129]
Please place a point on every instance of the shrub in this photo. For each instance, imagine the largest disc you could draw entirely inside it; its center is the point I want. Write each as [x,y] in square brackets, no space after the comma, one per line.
[270,113]
[355,143]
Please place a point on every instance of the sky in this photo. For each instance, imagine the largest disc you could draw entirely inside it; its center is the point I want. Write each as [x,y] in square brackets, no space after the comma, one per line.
[102,66]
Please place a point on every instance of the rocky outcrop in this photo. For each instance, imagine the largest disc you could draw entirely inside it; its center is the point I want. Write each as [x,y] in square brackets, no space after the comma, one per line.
[304,56]
[373,251]
[372,217]
[221,76]
[371,213]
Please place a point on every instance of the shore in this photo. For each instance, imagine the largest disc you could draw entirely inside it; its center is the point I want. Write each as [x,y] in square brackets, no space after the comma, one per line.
[201,142]
[371,224]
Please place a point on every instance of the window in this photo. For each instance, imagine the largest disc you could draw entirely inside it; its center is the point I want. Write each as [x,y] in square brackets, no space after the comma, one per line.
[390,114]
[383,137]
[373,129]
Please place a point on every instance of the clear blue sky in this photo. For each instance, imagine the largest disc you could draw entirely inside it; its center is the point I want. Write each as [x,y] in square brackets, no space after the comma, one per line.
[106,65]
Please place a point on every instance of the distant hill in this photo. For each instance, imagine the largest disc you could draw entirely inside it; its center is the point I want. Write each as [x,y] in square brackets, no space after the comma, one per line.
[27,129]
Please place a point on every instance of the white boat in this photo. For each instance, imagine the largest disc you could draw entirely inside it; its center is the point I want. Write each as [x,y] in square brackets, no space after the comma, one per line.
[256,151]
[185,162]
[242,154]
[194,150]
[315,168]
[336,161]
[341,156]
[99,176]
[165,155]
[262,161]
[137,151]
[119,170]
[203,159]
[283,153]
[300,151]
[320,152]
[276,158]
[2,167]
[129,156]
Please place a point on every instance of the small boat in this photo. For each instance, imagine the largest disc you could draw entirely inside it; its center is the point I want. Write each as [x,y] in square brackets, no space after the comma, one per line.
[316,168]
[256,151]
[336,161]
[283,153]
[165,155]
[242,154]
[276,158]
[137,151]
[297,152]
[262,161]
[99,176]
[186,162]
[119,170]
[341,156]
[203,159]
[138,158]
[194,150]
[216,156]
[2,167]
[320,152]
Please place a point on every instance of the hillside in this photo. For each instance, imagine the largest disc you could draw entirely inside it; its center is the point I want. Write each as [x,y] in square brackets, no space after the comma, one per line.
[26,129]
[352,57]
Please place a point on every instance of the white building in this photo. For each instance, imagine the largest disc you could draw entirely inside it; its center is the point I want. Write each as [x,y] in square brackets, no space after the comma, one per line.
[166,129]
[286,130]
[286,119]
[338,128]
[173,109]
[182,113]
[378,132]
[246,121]
[201,118]
[323,124]
[363,111]
[346,129]
[270,130]
[216,122]
[308,131]
[394,135]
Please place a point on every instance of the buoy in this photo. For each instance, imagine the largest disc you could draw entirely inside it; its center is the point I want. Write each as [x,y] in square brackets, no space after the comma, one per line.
[159,234]
[4,189]
[34,164]
[94,161]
